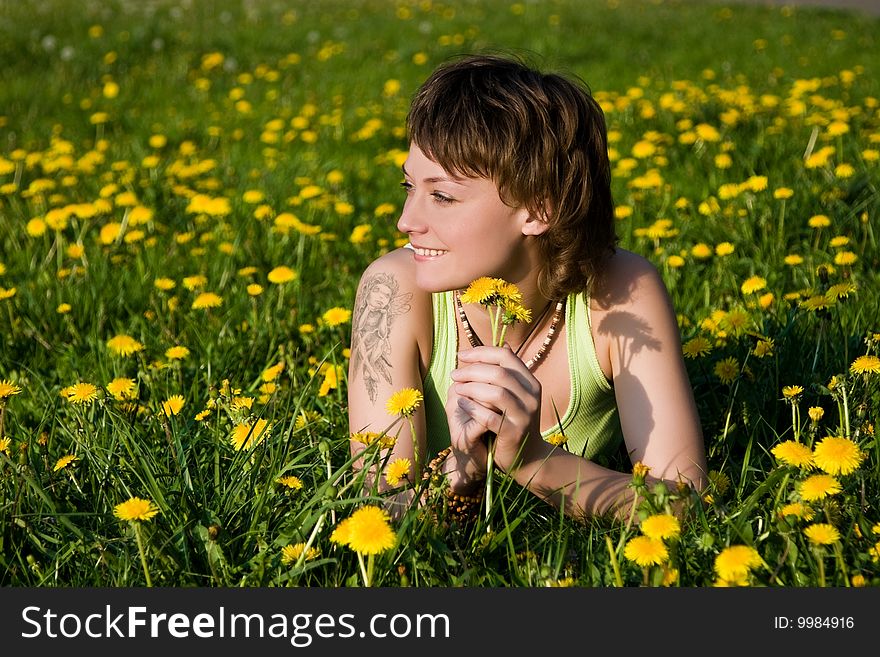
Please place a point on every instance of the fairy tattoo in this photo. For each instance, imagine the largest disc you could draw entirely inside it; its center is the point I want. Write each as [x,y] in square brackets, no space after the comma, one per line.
[377,305]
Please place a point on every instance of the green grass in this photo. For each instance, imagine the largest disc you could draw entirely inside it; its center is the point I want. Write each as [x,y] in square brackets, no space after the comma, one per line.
[315,81]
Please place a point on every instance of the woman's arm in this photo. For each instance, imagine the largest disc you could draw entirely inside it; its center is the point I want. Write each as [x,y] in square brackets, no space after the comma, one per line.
[657,411]
[385,357]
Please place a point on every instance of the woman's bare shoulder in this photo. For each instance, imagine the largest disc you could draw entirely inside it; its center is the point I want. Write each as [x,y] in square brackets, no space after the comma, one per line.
[627,279]
[390,281]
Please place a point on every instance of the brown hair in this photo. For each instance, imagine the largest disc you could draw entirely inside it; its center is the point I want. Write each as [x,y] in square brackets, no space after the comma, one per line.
[541,138]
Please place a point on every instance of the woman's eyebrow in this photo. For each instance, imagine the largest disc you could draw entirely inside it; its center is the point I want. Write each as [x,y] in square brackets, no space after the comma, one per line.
[436,179]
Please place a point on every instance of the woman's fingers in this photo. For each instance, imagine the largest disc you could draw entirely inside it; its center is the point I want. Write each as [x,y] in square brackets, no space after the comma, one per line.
[521,384]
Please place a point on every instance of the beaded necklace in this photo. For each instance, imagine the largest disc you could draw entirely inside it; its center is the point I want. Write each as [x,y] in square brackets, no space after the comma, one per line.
[475,341]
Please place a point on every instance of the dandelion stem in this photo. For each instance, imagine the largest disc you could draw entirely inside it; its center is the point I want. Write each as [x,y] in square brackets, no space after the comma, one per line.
[845,411]
[309,541]
[140,544]
[820,560]
[490,463]
[364,571]
[618,581]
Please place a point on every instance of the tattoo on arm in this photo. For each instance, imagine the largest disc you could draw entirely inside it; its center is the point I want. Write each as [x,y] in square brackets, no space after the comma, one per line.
[378,303]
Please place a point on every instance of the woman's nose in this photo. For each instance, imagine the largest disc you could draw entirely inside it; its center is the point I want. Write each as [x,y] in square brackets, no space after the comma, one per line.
[408,221]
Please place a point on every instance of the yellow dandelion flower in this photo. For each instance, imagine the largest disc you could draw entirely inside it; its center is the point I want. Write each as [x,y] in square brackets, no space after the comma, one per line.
[280,275]
[736,321]
[728,583]
[307,417]
[196,282]
[798,510]
[241,402]
[271,373]
[176,352]
[792,392]
[793,453]
[81,393]
[727,370]
[254,289]
[207,300]
[368,438]
[840,290]
[290,481]
[340,534]
[508,292]
[783,193]
[753,284]
[398,469]
[792,260]
[336,316]
[403,402]
[843,258]
[249,434]
[482,290]
[819,221]
[818,487]
[640,471]
[121,388]
[369,531]
[661,526]
[290,554]
[701,251]
[865,365]
[837,456]
[724,249]
[124,345]
[764,348]
[164,284]
[64,461]
[172,405]
[135,509]
[816,302]
[736,562]
[719,481]
[557,439]
[696,347]
[816,413]
[645,551]
[822,533]
[513,312]
[8,389]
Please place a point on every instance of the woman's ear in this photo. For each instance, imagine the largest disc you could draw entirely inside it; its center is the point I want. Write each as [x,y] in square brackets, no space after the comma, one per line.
[536,223]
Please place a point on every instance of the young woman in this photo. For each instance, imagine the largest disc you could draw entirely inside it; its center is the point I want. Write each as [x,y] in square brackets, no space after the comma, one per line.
[507,176]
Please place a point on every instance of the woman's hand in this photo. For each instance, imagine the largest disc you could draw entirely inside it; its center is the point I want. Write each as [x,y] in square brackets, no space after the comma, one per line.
[494,392]
[466,465]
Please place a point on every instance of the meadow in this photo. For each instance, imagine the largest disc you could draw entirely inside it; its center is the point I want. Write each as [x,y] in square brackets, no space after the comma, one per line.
[190,190]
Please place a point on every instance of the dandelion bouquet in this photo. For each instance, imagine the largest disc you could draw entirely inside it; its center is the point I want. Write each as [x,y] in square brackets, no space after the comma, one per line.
[503,302]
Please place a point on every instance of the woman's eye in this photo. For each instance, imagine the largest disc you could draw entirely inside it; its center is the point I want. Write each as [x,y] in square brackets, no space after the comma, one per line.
[442,198]
[407,187]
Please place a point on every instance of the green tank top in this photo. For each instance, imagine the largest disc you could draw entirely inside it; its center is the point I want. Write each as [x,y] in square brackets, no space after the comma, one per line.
[591,423]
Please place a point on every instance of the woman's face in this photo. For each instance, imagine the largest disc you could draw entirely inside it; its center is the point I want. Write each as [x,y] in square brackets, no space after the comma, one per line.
[460,228]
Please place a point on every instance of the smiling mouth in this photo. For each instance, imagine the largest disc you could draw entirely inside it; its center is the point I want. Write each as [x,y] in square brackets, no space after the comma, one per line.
[428,252]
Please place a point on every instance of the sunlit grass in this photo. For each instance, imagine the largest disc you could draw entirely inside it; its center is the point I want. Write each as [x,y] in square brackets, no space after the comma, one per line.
[187,200]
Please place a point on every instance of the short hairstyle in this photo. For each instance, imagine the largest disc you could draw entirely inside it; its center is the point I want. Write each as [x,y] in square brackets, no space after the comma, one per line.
[541,138]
